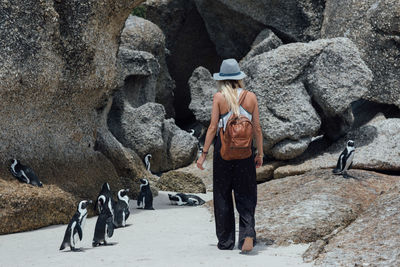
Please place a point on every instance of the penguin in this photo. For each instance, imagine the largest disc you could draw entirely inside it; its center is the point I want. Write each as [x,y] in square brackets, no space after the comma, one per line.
[105,191]
[181,199]
[104,225]
[121,209]
[147,162]
[24,173]
[345,160]
[145,199]
[75,227]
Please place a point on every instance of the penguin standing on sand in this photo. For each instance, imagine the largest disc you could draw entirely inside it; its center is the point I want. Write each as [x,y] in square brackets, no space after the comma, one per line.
[181,199]
[145,199]
[345,160]
[104,228]
[75,227]
[24,173]
[105,191]
[121,209]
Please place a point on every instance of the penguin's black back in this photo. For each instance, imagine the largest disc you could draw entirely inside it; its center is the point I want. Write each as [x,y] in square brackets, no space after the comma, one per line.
[121,207]
[148,204]
[105,192]
[67,235]
[104,219]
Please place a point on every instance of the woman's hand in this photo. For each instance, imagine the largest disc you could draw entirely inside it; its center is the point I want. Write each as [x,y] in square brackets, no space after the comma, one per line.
[200,161]
[259,161]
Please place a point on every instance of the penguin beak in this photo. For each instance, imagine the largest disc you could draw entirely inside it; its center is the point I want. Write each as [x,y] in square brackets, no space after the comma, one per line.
[127,190]
[90,201]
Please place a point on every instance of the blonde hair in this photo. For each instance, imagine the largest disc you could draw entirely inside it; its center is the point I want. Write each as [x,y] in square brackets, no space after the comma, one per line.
[228,88]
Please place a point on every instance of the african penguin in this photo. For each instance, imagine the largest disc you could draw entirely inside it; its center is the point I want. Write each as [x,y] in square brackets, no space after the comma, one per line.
[147,162]
[104,225]
[181,199]
[75,227]
[105,191]
[121,209]
[145,199]
[345,160]
[24,173]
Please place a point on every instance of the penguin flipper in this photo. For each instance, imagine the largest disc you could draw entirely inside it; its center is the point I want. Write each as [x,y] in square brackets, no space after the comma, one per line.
[110,228]
[79,230]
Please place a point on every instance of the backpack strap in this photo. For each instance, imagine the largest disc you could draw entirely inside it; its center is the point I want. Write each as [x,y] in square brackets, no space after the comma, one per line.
[242,97]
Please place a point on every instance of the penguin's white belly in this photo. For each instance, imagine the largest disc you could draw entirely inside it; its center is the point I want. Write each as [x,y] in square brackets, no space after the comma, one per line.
[349,161]
[123,218]
[73,237]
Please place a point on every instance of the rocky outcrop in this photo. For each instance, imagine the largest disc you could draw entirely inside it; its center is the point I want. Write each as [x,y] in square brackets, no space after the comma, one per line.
[58,66]
[24,207]
[308,207]
[177,181]
[264,42]
[377,148]
[206,175]
[142,35]
[189,47]
[233,25]
[371,240]
[302,89]
[373,27]
[202,89]
[266,171]
[146,131]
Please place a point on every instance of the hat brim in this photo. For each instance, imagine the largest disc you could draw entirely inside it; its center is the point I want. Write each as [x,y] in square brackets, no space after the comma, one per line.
[218,77]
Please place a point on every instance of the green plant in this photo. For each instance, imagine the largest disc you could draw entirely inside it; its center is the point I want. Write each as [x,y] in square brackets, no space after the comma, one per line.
[139,11]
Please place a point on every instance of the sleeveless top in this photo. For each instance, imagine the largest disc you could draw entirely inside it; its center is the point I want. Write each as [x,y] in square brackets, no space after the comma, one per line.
[223,118]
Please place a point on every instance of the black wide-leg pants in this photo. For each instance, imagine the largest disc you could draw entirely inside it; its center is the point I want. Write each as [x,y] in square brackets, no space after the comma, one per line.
[238,176]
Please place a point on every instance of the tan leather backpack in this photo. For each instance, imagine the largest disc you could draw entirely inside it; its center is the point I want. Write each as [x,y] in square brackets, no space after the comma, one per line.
[236,140]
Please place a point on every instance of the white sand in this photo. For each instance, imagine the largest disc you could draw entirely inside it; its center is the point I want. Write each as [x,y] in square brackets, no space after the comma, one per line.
[167,236]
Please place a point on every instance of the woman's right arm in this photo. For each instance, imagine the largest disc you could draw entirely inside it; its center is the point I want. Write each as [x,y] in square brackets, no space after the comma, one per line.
[212,129]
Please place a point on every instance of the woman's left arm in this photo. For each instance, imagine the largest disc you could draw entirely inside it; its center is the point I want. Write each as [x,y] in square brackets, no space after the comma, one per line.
[212,129]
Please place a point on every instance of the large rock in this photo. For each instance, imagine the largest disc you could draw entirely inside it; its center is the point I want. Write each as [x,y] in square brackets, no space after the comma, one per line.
[233,25]
[292,83]
[138,72]
[377,148]
[295,81]
[143,35]
[202,89]
[146,131]
[177,181]
[24,207]
[307,207]
[58,66]
[265,41]
[189,47]
[371,240]
[373,27]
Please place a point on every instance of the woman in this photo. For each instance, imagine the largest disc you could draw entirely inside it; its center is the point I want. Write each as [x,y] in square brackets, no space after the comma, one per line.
[237,175]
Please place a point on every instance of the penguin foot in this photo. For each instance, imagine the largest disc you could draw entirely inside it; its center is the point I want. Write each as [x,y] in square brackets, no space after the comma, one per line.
[95,244]
[76,249]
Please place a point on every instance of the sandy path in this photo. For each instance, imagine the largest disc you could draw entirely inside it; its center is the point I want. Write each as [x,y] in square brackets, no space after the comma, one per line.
[167,236]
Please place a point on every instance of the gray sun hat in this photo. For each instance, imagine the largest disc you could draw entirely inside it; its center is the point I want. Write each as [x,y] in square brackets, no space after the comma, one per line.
[229,70]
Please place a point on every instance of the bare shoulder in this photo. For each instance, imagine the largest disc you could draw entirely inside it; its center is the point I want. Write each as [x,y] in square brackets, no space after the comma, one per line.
[252,96]
[218,96]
